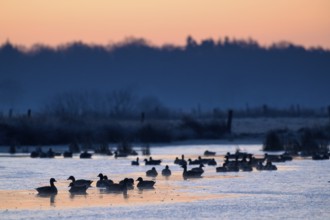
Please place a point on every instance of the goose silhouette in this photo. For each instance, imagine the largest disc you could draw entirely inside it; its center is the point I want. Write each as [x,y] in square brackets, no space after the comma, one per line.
[135,162]
[80,181]
[100,182]
[166,171]
[129,183]
[48,190]
[145,184]
[198,169]
[152,173]
[118,187]
[103,181]
[190,173]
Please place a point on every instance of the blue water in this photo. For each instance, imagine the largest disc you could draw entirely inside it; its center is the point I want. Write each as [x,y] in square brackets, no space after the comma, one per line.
[299,189]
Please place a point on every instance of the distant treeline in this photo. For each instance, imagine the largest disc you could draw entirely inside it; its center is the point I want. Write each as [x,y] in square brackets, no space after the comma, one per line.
[210,73]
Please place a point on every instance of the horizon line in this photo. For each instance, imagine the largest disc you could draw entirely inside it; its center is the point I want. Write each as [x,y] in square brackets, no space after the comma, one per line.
[147,42]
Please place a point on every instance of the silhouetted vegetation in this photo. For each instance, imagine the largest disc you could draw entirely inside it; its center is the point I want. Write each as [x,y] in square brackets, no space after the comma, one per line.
[273,142]
[94,94]
[225,72]
[306,141]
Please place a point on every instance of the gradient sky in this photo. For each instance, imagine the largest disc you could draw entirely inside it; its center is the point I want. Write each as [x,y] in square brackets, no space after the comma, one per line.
[304,22]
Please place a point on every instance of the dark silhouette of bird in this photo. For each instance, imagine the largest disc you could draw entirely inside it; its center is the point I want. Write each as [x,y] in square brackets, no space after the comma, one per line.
[135,162]
[80,181]
[152,161]
[44,190]
[166,171]
[145,184]
[190,173]
[152,173]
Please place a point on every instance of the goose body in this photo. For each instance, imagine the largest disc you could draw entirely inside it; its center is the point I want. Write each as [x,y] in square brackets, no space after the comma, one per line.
[198,169]
[212,162]
[80,181]
[145,184]
[67,154]
[85,155]
[135,162]
[48,189]
[129,183]
[269,166]
[166,171]
[221,169]
[194,162]
[118,187]
[107,181]
[103,181]
[100,182]
[181,161]
[152,161]
[209,153]
[190,173]
[152,173]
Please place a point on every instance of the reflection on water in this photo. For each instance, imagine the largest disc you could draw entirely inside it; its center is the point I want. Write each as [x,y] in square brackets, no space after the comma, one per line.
[149,189]
[78,195]
[125,195]
[50,196]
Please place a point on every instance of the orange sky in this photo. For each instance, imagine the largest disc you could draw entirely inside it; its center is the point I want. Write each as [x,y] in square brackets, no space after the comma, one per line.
[305,22]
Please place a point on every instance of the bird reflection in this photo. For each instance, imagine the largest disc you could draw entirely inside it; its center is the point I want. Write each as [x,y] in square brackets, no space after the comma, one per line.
[50,196]
[78,194]
[125,195]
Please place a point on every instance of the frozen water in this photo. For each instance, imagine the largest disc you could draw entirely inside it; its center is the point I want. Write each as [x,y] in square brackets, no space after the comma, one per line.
[297,190]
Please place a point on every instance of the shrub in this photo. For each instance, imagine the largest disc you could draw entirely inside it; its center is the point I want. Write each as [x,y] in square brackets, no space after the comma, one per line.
[273,142]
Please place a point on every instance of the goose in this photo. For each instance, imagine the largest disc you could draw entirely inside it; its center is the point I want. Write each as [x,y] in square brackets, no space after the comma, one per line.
[50,153]
[152,161]
[198,169]
[193,162]
[80,182]
[260,166]
[232,166]
[212,162]
[135,162]
[103,181]
[269,166]
[67,154]
[221,169]
[118,187]
[85,155]
[145,184]
[129,183]
[190,173]
[48,189]
[107,181]
[166,171]
[209,153]
[204,160]
[152,173]
[99,183]
[77,189]
[181,161]
[245,167]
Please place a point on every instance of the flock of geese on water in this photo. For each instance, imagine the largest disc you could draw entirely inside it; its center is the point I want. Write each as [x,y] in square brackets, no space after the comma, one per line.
[238,161]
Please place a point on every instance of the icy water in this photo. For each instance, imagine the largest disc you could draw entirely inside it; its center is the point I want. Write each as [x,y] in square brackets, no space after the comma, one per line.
[299,189]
